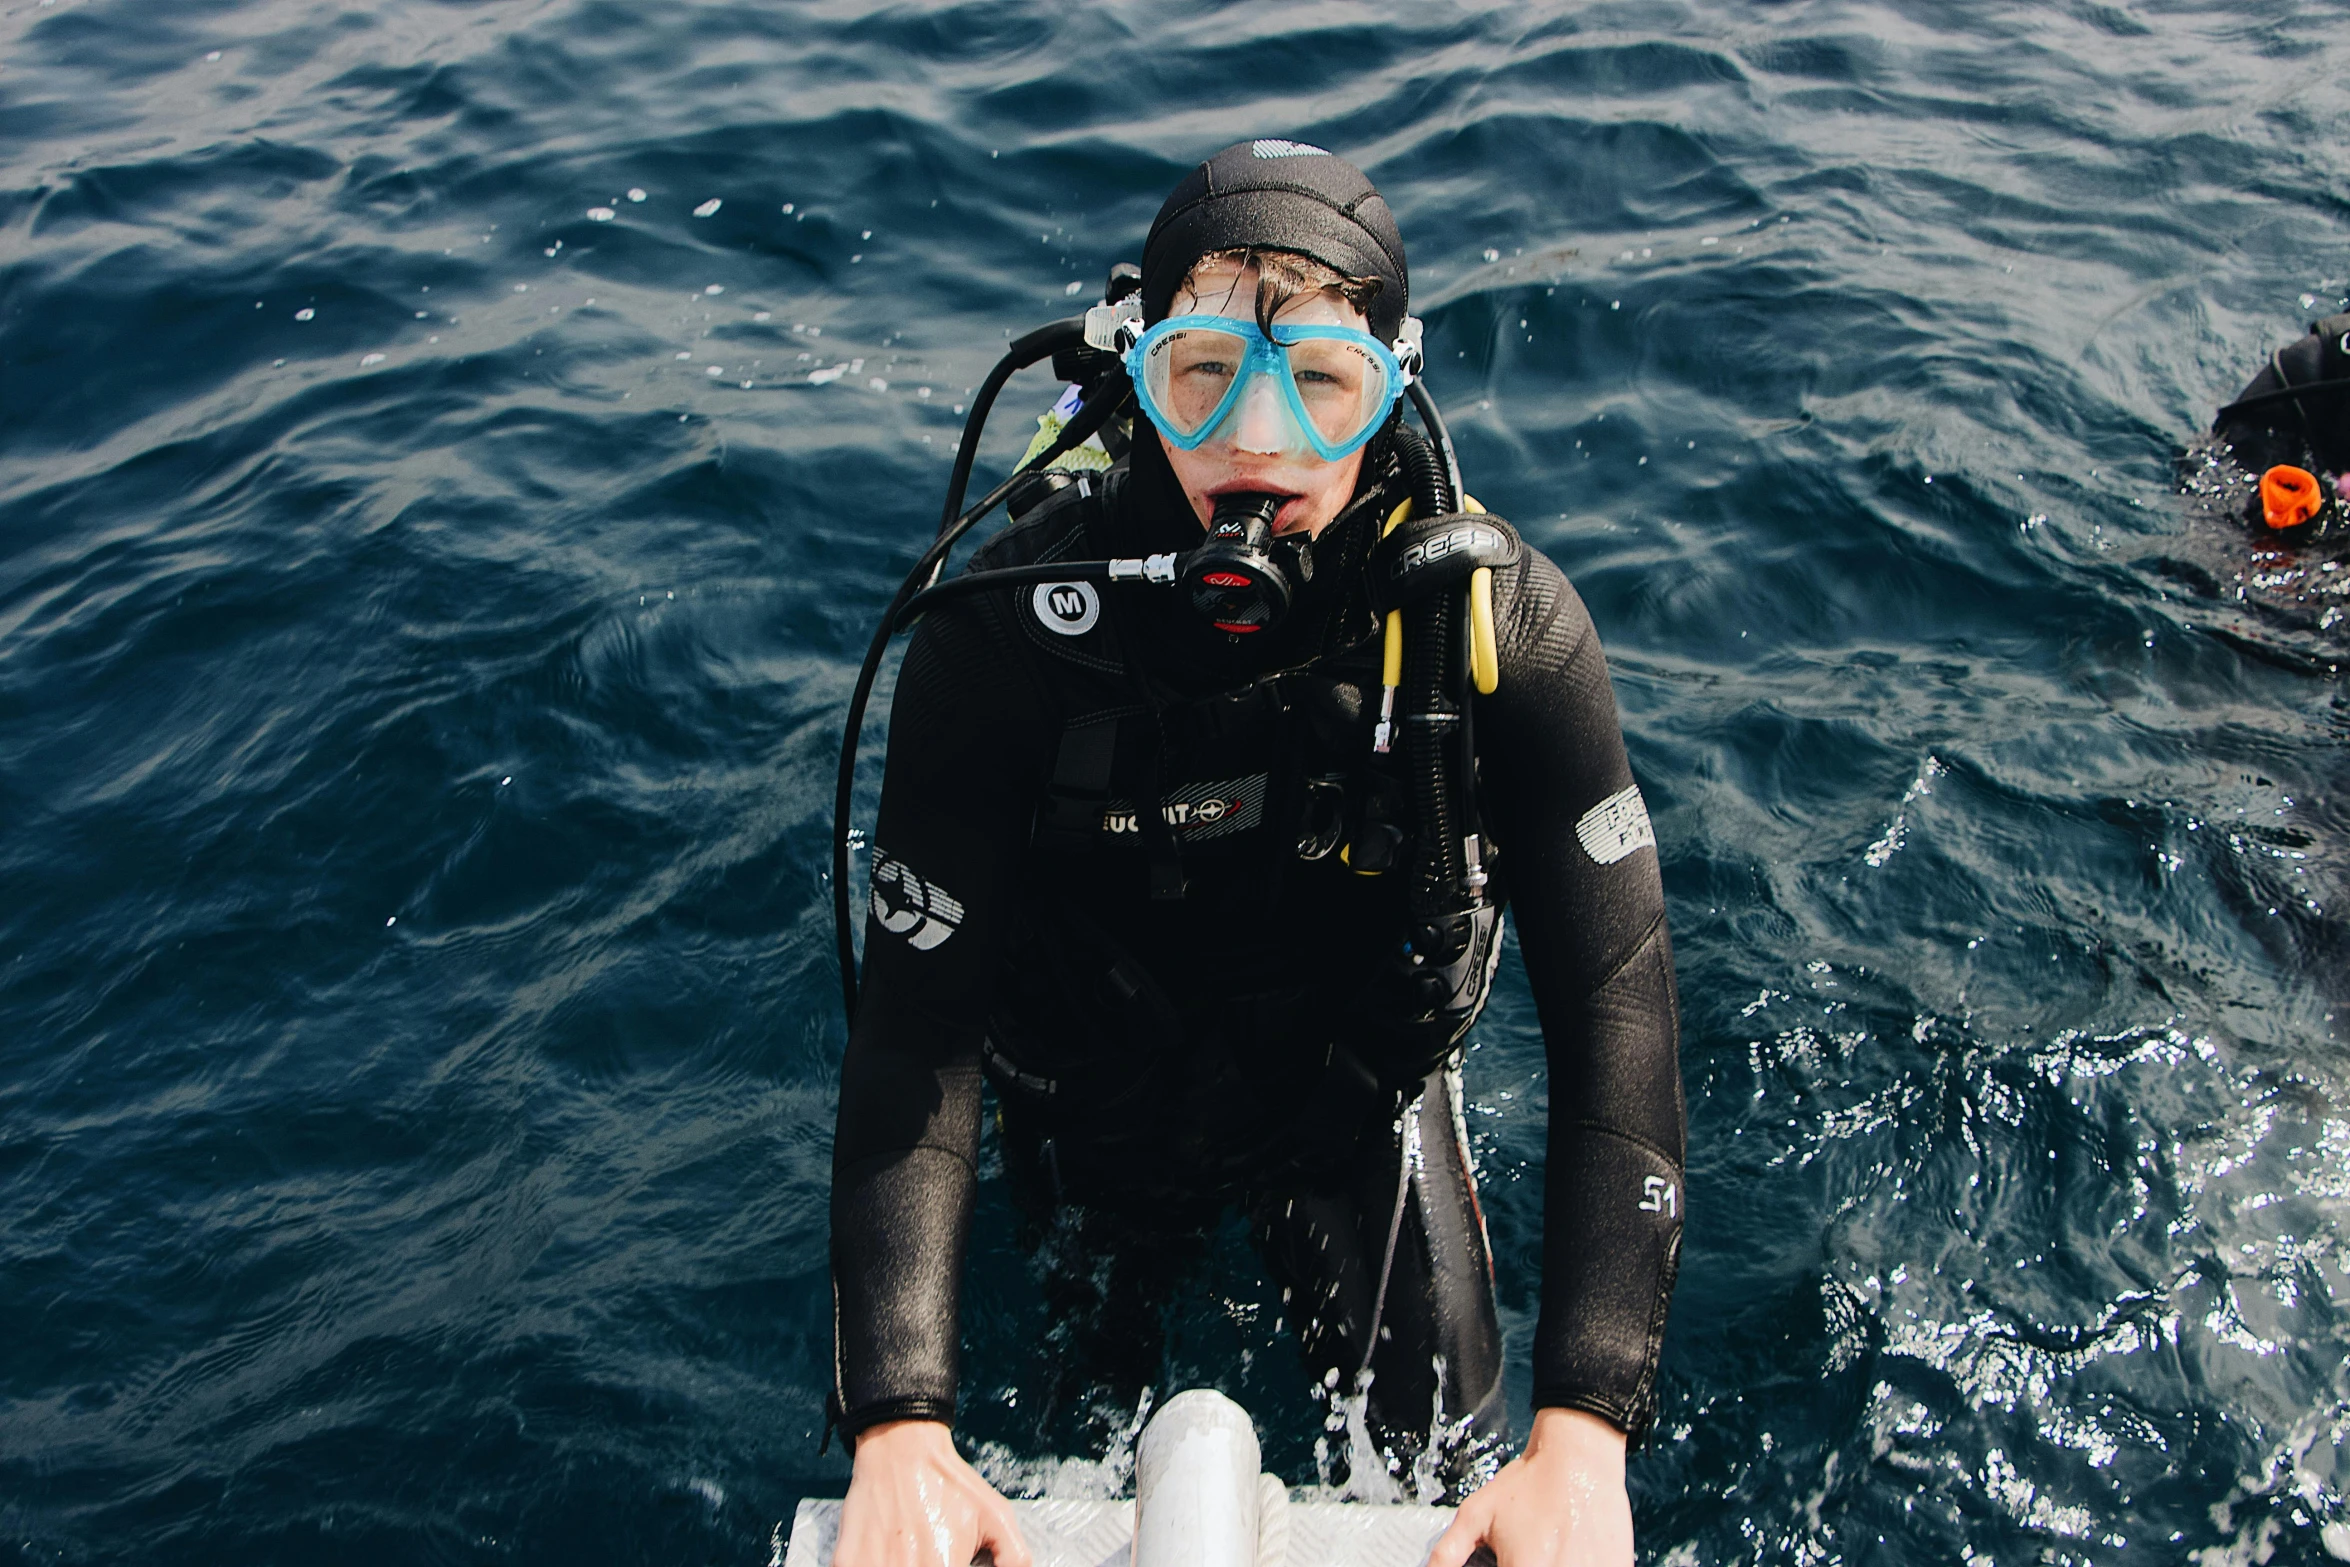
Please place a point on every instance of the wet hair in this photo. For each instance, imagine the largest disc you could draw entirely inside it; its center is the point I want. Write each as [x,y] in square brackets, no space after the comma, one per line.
[1284,275]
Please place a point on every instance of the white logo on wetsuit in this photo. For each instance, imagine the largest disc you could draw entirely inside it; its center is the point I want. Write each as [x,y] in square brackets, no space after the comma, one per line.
[1442,545]
[1662,1196]
[1270,148]
[1201,810]
[903,902]
[1617,827]
[1066,608]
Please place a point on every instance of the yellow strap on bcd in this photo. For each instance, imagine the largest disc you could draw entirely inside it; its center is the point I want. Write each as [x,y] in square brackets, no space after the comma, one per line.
[1391,660]
[1484,647]
[1484,654]
[1484,650]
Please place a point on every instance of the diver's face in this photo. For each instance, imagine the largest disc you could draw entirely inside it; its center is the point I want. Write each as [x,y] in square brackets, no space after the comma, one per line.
[1249,453]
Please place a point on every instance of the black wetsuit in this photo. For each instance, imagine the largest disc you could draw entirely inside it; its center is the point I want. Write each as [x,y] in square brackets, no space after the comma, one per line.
[1237,1044]
[2311,431]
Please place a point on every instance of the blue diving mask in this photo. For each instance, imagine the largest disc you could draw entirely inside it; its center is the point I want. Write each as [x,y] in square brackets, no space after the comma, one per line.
[1323,389]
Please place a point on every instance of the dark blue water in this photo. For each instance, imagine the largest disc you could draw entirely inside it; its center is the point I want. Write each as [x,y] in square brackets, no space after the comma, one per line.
[431,577]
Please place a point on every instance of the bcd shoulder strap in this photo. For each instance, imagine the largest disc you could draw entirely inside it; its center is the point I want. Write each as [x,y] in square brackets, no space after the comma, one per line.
[1079,794]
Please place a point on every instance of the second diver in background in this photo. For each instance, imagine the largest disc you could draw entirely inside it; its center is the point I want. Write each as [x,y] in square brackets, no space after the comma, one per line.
[2289,430]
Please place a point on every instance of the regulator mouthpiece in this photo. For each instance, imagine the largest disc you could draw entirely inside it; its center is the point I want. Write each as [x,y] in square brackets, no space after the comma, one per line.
[1234,580]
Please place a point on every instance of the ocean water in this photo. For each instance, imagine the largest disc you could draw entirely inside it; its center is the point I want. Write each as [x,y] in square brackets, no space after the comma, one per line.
[451,456]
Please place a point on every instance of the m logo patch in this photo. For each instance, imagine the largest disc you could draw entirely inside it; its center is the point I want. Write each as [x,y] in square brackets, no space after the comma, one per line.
[1067,609]
[906,905]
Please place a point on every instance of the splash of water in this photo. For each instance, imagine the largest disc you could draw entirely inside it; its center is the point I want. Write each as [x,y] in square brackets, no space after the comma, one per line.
[1069,1479]
[1369,1468]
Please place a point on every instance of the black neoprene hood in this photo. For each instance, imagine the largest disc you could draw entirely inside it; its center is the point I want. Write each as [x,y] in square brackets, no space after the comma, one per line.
[1279,195]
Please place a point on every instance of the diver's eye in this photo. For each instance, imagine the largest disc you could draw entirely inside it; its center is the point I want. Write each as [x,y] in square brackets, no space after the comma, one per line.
[1191,373]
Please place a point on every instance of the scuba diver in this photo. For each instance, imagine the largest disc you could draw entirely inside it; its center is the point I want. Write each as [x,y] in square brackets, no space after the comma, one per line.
[2288,434]
[2277,464]
[1207,784]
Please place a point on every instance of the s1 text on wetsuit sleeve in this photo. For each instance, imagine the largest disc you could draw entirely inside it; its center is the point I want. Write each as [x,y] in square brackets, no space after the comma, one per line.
[1584,882]
[957,797]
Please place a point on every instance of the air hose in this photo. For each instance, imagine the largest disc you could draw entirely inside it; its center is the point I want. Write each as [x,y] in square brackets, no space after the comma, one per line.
[1106,399]
[1030,348]
[1434,711]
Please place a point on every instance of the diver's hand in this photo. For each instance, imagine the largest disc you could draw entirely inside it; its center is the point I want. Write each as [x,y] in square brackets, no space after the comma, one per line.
[1561,1503]
[914,1502]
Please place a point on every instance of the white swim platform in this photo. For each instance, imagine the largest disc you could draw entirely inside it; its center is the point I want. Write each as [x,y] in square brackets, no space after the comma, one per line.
[1200,1501]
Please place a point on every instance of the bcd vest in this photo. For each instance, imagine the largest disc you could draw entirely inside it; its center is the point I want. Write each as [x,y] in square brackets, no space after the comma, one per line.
[1263,1015]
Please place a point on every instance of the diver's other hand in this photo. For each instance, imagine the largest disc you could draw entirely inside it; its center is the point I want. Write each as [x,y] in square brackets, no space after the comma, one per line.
[1561,1503]
[914,1502]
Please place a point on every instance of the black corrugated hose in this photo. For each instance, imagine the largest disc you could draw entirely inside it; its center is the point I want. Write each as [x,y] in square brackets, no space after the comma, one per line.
[1439,890]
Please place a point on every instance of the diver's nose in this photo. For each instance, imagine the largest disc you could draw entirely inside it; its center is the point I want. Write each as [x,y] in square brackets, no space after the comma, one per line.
[1261,427]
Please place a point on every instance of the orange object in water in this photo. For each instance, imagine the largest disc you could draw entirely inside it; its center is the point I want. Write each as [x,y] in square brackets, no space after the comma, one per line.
[2289,496]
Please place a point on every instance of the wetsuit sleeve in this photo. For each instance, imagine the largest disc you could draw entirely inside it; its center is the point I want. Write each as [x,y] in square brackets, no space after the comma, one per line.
[956,804]
[1580,863]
